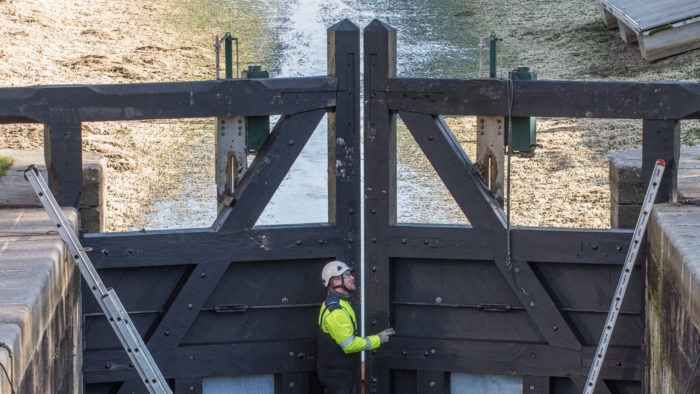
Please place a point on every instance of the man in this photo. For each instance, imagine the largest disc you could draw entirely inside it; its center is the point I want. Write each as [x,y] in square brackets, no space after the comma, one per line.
[339,346]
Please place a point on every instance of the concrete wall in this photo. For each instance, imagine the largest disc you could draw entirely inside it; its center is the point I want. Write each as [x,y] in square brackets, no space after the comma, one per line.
[672,334]
[15,191]
[40,308]
[672,329]
[627,191]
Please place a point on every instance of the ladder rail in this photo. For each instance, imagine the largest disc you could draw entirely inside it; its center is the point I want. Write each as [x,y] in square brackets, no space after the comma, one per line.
[625,275]
[107,298]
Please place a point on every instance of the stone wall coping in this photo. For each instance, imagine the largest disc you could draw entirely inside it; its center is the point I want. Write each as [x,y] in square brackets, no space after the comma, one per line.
[674,239]
[627,162]
[15,190]
[35,272]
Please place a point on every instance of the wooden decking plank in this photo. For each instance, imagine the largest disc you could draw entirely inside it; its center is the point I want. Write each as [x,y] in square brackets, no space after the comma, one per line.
[644,15]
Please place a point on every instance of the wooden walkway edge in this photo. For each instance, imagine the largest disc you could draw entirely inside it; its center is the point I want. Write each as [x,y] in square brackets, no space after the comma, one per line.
[662,28]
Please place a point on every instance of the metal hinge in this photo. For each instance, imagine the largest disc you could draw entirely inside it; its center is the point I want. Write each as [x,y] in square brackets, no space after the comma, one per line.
[232,308]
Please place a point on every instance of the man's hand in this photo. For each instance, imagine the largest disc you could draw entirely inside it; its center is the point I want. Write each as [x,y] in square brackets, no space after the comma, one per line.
[385,334]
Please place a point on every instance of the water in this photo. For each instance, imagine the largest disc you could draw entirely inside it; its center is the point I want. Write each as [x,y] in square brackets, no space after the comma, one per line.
[291,41]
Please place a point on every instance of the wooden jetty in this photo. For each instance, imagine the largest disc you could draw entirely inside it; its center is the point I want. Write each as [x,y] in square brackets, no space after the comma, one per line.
[662,28]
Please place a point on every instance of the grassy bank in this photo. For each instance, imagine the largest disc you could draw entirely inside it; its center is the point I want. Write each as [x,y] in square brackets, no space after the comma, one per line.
[5,164]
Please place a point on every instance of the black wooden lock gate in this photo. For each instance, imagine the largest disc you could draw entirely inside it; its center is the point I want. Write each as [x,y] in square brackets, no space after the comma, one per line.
[235,299]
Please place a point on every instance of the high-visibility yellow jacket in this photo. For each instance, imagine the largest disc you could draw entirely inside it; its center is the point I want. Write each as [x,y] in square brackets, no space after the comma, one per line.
[337,319]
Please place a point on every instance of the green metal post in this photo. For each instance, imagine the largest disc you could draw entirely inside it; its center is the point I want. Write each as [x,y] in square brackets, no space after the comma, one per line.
[228,50]
[493,46]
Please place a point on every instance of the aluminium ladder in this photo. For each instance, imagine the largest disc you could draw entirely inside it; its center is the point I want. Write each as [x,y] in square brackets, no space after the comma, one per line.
[625,276]
[107,298]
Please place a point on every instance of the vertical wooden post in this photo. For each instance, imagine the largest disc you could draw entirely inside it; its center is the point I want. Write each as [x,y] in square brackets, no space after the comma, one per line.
[628,35]
[344,192]
[380,187]
[63,156]
[344,172]
[231,156]
[661,140]
[609,19]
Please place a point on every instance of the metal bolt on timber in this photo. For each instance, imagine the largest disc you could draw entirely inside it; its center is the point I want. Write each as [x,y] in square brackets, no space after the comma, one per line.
[619,296]
[107,298]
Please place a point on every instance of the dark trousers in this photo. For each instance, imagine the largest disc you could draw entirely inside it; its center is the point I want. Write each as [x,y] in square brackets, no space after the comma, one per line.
[337,381]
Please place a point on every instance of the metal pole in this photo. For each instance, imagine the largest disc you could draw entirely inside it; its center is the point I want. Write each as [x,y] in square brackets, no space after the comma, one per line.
[236,38]
[217,50]
[493,47]
[481,57]
[228,54]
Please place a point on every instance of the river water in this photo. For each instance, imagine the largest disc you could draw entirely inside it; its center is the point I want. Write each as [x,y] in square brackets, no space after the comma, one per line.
[289,38]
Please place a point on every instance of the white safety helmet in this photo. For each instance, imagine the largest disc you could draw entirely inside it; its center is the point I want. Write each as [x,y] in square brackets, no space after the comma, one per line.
[334,268]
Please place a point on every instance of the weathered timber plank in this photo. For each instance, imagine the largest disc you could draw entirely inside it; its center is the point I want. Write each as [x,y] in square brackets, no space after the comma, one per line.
[582,99]
[163,248]
[167,100]
[501,358]
[647,14]
[454,356]
[661,140]
[562,245]
[539,304]
[208,360]
[441,242]
[559,245]
[64,159]
[380,185]
[344,137]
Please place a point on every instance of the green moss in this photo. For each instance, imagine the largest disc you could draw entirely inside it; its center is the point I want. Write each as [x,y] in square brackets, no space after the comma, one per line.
[5,163]
[691,137]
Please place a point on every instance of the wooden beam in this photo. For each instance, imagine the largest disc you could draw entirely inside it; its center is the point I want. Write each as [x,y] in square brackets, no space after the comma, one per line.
[164,248]
[578,99]
[64,157]
[609,19]
[207,360]
[559,245]
[169,100]
[380,184]
[661,140]
[628,35]
[344,138]
[504,358]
